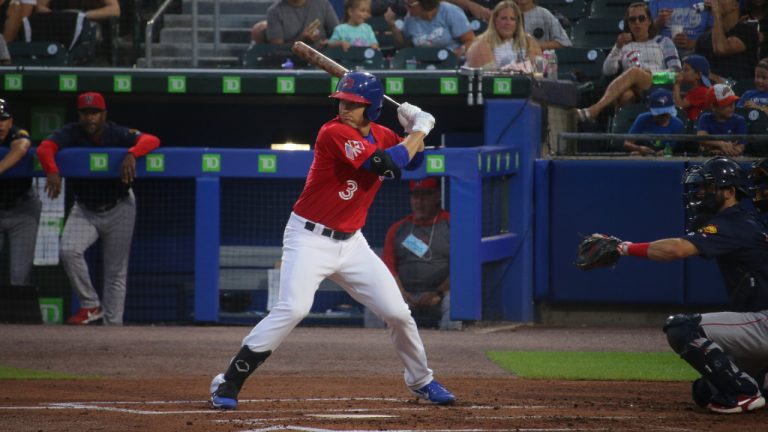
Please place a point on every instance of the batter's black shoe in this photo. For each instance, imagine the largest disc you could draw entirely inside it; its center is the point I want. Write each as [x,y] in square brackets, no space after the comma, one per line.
[743,403]
[223,394]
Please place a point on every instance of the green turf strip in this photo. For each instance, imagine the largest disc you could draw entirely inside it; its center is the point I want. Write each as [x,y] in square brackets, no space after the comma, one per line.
[601,366]
[7,372]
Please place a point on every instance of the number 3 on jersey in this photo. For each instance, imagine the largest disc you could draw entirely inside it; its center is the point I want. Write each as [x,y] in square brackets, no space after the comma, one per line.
[346,195]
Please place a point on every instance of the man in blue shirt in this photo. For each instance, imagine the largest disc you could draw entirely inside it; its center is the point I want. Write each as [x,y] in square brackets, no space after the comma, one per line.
[660,119]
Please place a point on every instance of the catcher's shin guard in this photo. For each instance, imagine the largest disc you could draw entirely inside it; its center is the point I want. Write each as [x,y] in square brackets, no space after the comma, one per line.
[240,368]
[710,360]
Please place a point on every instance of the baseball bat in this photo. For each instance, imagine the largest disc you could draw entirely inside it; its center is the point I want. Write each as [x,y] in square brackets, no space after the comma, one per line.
[316,58]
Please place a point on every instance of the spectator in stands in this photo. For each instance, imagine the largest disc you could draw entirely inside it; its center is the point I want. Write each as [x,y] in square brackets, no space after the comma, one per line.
[540,23]
[731,45]
[504,45]
[695,74]
[757,98]
[639,53]
[756,11]
[355,32]
[417,252]
[288,21]
[680,17]
[432,23]
[104,208]
[722,120]
[19,205]
[11,14]
[660,119]
[94,10]
[474,8]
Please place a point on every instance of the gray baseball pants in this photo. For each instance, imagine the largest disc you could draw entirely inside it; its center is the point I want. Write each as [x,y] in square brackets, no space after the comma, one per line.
[21,225]
[115,228]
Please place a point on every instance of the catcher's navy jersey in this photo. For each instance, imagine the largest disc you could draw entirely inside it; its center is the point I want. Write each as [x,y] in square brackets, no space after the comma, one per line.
[94,193]
[740,243]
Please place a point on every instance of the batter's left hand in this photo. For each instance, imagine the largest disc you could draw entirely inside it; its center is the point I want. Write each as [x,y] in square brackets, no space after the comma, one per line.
[128,169]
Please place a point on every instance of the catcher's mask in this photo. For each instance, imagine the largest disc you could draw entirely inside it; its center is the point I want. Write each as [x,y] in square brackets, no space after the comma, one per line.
[702,184]
[759,178]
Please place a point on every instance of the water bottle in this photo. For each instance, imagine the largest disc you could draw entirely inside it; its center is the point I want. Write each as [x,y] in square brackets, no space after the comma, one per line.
[410,64]
[551,68]
[667,150]
[663,78]
[287,65]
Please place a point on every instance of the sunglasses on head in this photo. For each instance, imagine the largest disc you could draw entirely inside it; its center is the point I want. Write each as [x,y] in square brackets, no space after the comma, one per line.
[637,19]
[412,4]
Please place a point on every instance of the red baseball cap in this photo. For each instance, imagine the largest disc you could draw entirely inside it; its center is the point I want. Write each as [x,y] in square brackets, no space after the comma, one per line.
[91,100]
[721,95]
[424,184]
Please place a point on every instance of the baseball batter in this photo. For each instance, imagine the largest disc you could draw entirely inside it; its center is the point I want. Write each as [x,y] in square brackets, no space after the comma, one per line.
[322,238]
[19,206]
[729,349]
[104,208]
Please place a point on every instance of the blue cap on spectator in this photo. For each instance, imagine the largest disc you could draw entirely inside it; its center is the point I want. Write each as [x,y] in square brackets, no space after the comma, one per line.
[662,102]
[700,65]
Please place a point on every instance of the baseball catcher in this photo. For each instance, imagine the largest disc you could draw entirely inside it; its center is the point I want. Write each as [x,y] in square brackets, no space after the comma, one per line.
[726,348]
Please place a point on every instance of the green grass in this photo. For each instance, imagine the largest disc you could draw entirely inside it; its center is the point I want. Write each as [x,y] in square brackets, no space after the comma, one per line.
[7,372]
[600,366]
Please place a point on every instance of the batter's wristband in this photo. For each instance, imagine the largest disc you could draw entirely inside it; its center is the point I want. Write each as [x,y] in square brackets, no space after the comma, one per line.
[639,250]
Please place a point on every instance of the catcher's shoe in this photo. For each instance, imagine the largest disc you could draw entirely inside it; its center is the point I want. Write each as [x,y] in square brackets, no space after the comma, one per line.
[743,403]
[223,394]
[435,393]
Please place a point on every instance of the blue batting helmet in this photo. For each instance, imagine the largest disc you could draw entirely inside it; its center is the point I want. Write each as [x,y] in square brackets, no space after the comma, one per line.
[361,87]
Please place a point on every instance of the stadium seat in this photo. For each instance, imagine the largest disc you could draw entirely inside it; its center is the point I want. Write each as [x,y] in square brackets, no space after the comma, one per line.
[268,56]
[743,85]
[623,120]
[426,58]
[383,34]
[71,29]
[478,26]
[614,9]
[597,33]
[580,64]
[574,10]
[357,57]
[757,124]
[37,54]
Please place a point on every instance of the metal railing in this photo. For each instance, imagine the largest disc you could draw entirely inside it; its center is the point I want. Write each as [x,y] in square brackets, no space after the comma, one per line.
[195,54]
[601,136]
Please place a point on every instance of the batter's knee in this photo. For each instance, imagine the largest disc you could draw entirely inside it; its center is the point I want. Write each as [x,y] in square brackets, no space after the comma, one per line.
[397,318]
[681,329]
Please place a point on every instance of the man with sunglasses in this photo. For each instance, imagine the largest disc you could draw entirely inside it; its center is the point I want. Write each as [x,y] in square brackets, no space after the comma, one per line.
[729,348]
[731,46]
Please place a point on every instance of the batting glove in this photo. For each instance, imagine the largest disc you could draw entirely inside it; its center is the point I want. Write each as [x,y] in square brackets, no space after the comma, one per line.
[423,122]
[406,113]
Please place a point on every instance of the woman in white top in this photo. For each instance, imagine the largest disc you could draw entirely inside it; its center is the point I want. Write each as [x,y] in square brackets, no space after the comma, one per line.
[504,45]
[639,54]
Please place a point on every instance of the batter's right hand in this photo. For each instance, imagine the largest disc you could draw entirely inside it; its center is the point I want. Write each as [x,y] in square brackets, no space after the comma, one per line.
[423,122]
[53,185]
[406,113]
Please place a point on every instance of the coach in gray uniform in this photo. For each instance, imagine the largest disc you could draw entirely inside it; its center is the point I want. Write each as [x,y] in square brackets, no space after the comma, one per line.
[19,206]
[104,207]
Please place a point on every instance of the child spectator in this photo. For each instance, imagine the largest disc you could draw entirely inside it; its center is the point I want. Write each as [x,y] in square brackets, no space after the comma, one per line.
[757,98]
[722,121]
[355,31]
[661,118]
[695,73]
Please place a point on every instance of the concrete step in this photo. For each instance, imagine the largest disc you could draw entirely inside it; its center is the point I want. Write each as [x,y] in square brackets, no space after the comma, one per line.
[228,6]
[225,21]
[186,62]
[204,35]
[204,50]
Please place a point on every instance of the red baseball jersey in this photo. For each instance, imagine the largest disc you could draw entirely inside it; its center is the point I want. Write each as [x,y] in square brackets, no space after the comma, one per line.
[338,192]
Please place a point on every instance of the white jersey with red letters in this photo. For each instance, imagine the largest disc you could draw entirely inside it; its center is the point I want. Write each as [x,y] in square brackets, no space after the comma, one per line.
[338,193]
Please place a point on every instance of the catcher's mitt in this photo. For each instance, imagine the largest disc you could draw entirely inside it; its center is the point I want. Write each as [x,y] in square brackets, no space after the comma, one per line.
[597,250]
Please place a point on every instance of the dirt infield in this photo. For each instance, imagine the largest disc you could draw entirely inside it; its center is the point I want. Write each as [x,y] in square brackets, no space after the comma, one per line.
[323,380]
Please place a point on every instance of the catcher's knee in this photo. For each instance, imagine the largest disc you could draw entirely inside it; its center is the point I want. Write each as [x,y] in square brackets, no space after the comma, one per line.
[702,392]
[681,329]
